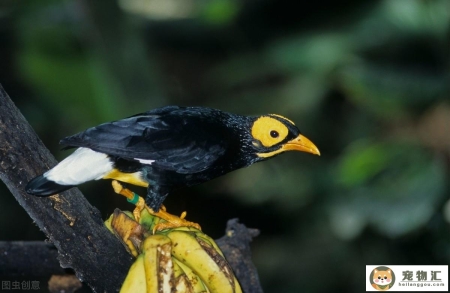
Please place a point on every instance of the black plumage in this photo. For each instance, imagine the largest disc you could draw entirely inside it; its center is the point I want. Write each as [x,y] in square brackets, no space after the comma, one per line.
[176,146]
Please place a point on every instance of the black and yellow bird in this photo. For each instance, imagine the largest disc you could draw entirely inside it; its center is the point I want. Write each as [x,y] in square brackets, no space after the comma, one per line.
[170,147]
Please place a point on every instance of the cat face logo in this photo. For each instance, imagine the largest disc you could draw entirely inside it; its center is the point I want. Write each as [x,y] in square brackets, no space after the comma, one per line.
[382,278]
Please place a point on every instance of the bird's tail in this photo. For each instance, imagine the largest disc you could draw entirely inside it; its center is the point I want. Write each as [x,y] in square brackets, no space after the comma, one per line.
[81,166]
[41,186]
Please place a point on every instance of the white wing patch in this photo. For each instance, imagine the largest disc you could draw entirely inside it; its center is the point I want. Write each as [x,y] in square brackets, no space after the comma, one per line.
[81,166]
[142,161]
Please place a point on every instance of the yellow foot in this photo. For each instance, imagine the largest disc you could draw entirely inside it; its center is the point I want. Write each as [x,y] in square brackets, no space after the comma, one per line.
[172,221]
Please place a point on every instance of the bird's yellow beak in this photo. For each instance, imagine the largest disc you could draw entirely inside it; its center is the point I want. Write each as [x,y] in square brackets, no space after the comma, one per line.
[301,144]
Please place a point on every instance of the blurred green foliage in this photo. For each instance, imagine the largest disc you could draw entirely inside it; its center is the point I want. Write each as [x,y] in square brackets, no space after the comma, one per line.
[367,81]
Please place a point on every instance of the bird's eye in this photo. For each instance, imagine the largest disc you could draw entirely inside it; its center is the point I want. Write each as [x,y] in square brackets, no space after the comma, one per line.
[269,131]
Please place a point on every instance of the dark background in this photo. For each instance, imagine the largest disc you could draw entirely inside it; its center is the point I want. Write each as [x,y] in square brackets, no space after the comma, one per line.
[366,81]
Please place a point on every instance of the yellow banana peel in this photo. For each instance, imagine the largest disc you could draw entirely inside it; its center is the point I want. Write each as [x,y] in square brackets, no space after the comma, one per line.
[176,260]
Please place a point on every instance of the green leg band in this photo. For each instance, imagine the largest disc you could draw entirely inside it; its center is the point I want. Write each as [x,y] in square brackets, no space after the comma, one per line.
[134,200]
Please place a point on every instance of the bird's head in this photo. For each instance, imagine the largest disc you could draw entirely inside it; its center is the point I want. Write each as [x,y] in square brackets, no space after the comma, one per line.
[273,134]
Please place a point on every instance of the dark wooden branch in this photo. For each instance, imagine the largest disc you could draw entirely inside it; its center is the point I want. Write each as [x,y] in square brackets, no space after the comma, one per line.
[236,248]
[69,221]
[29,259]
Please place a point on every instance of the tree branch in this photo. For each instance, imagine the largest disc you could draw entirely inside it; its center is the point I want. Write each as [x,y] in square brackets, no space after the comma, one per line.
[29,259]
[236,248]
[67,219]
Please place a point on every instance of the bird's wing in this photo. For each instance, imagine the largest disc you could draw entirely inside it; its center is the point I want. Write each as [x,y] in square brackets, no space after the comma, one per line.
[186,144]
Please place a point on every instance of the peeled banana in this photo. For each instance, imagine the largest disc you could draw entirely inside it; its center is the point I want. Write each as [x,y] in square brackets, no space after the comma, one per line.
[177,260]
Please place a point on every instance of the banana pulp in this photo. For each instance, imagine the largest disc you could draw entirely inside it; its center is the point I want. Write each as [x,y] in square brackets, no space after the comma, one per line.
[178,260]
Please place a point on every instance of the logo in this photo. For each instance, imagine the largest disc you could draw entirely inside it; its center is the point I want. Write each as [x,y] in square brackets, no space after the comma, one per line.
[382,278]
[407,278]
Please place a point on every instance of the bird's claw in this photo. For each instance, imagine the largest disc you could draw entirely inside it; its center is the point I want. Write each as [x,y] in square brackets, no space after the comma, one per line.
[172,221]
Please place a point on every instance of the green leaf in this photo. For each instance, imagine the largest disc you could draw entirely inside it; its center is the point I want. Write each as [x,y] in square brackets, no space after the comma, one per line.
[394,187]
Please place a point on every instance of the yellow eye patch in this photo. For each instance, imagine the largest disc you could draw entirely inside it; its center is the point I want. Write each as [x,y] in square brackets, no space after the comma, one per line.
[269,131]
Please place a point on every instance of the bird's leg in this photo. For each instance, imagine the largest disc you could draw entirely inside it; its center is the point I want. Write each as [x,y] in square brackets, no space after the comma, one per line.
[131,197]
[172,221]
